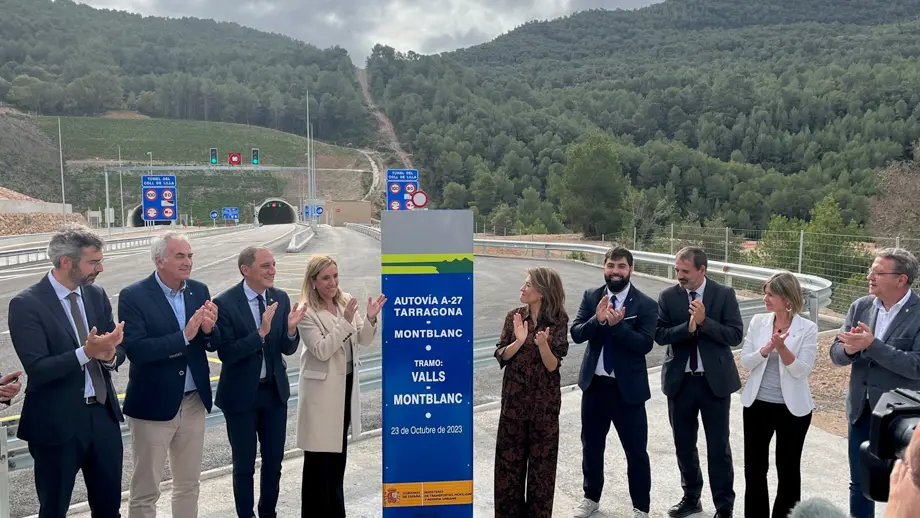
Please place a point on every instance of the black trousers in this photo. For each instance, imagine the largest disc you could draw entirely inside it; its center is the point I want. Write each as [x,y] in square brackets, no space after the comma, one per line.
[267,423]
[761,420]
[602,404]
[695,399]
[97,451]
[322,493]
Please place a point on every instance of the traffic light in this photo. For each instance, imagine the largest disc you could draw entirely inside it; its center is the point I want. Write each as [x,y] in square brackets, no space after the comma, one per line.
[213,156]
[255,156]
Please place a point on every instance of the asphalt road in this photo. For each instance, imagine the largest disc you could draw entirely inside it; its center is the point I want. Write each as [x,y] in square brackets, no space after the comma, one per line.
[39,240]
[214,264]
[497,283]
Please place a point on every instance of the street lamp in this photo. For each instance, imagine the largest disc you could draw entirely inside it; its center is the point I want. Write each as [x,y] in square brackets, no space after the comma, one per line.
[150,171]
[108,220]
[122,189]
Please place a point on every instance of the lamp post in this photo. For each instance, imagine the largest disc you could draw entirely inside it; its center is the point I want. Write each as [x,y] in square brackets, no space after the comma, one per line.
[108,220]
[149,171]
[121,188]
[61,154]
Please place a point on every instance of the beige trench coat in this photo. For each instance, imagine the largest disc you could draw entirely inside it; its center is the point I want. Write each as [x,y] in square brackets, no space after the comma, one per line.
[323,371]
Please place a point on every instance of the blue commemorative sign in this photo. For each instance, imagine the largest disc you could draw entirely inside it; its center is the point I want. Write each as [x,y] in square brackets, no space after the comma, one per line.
[427,363]
[401,185]
[159,195]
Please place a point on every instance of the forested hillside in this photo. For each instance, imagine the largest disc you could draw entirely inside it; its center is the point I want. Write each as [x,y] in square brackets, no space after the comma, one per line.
[700,110]
[63,58]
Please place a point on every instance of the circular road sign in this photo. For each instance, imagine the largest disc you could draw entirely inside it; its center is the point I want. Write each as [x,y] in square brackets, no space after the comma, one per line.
[394,188]
[168,194]
[213,214]
[152,212]
[235,159]
[167,212]
[410,205]
[420,199]
[410,188]
[394,205]
[319,210]
[150,194]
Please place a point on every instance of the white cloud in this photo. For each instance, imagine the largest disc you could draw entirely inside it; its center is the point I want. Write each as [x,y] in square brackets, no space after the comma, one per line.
[425,26]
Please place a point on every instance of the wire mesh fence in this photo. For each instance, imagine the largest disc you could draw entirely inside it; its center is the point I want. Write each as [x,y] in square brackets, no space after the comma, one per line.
[842,259]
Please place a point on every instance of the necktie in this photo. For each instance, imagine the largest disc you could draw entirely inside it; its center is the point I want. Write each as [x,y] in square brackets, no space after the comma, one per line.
[95,369]
[694,363]
[608,347]
[268,363]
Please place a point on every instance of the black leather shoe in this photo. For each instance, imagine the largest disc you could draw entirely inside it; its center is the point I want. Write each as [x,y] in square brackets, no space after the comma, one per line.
[687,507]
[723,513]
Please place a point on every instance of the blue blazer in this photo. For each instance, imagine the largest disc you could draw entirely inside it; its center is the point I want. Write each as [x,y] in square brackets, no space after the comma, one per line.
[241,350]
[44,340]
[632,339]
[157,352]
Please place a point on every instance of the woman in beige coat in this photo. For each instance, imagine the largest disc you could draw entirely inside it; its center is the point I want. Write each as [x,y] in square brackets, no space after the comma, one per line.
[329,398]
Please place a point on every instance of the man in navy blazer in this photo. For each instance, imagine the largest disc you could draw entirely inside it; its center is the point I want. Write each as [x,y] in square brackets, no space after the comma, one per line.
[170,325]
[257,326]
[618,322]
[63,332]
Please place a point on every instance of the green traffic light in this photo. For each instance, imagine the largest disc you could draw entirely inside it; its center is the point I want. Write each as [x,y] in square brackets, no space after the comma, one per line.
[213,160]
[255,161]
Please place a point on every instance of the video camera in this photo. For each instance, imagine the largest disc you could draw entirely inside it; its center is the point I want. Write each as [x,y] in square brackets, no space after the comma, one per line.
[891,428]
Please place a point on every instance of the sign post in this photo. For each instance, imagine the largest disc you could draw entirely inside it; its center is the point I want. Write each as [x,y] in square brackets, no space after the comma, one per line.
[159,194]
[401,185]
[213,215]
[427,362]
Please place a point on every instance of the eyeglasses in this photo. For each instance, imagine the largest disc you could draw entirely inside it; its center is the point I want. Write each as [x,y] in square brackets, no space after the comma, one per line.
[874,273]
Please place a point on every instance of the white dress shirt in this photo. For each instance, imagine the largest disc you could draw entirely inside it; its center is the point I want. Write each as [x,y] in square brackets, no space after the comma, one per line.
[699,297]
[62,293]
[252,298]
[884,318]
[616,302]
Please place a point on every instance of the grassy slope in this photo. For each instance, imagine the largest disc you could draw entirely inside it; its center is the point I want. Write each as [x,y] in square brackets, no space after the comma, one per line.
[178,141]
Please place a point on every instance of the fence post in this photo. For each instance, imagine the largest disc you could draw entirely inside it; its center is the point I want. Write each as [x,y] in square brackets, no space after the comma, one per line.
[897,242]
[4,475]
[671,248]
[635,241]
[727,235]
[813,306]
[802,250]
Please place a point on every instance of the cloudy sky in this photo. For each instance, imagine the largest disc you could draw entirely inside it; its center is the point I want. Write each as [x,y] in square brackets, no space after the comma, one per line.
[425,26]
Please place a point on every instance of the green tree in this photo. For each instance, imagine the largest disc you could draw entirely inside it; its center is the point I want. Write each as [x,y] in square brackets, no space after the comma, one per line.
[593,187]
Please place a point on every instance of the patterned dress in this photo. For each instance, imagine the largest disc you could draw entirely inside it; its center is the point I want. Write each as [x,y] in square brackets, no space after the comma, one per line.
[528,428]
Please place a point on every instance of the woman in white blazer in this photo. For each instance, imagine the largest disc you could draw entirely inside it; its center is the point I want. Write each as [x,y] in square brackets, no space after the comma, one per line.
[329,398]
[779,352]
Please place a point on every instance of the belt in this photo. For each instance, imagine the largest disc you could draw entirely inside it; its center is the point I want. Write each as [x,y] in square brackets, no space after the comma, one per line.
[187,392]
[695,374]
[91,400]
[263,381]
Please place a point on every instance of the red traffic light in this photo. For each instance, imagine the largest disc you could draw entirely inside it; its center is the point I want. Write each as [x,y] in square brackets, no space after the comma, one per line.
[235,159]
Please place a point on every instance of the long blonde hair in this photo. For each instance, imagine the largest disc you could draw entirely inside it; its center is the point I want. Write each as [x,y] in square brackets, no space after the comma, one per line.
[308,292]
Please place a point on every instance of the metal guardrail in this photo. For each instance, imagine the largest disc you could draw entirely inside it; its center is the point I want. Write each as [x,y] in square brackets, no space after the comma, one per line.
[370,373]
[39,254]
[817,290]
[307,234]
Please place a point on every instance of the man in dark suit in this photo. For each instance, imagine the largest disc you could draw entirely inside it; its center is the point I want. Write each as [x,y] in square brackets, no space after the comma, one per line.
[169,328]
[65,337]
[618,322]
[256,326]
[700,321]
[880,339]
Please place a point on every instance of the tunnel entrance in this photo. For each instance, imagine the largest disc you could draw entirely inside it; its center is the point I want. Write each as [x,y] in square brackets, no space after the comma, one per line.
[275,211]
[137,218]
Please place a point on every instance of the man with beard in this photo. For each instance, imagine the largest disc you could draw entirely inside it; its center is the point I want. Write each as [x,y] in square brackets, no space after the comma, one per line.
[65,337]
[170,325]
[618,322]
[700,321]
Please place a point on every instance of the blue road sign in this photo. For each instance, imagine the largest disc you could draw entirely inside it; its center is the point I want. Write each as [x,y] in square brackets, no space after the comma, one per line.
[401,185]
[160,196]
[230,213]
[314,211]
[318,211]
[213,214]
[427,364]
